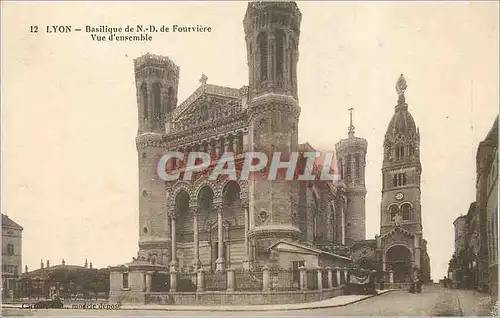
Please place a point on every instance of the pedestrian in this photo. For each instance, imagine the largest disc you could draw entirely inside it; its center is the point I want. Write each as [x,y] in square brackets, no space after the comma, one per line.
[412,286]
[419,285]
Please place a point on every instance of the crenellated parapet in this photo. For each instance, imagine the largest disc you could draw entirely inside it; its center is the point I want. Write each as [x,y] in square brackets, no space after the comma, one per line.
[149,59]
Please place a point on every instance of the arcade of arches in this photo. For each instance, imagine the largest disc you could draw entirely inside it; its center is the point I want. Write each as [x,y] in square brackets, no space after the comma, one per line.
[208,231]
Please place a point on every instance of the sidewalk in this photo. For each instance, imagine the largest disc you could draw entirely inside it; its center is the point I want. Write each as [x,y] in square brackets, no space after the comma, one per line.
[338,301]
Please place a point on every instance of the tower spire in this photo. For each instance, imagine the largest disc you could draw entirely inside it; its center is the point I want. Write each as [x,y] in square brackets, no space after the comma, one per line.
[351,126]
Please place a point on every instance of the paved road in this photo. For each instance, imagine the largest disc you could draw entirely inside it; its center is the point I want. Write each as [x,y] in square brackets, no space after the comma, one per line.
[433,301]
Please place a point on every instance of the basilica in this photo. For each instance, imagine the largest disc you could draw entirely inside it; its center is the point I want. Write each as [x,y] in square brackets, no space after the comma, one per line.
[185,226]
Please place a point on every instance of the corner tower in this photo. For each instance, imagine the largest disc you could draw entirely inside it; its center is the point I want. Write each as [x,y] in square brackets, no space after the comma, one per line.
[401,170]
[272,38]
[351,161]
[156,80]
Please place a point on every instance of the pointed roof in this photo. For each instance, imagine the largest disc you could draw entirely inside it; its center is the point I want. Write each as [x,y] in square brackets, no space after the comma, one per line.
[402,121]
[7,222]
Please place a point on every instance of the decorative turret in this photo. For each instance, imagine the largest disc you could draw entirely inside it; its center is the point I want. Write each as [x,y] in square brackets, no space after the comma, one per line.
[351,162]
[157,79]
[272,32]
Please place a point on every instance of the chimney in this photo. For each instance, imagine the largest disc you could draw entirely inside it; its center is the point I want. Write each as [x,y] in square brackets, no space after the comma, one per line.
[86,264]
[48,264]
[63,262]
[26,268]
[90,265]
[41,263]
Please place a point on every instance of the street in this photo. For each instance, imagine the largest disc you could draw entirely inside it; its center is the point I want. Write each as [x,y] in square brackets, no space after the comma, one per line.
[433,301]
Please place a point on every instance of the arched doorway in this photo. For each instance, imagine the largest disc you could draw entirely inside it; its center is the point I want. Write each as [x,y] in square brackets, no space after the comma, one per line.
[183,223]
[398,258]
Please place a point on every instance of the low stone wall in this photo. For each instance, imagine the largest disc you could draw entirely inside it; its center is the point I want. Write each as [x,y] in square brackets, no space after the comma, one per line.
[127,297]
[241,298]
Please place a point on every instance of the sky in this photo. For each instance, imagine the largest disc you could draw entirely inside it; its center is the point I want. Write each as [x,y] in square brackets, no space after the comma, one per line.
[69,112]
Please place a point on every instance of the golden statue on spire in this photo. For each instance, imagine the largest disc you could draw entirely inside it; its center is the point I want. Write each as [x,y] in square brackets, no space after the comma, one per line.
[401,85]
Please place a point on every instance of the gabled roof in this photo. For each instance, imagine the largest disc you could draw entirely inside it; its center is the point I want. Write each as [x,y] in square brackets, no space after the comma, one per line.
[7,222]
[397,229]
[301,248]
[210,89]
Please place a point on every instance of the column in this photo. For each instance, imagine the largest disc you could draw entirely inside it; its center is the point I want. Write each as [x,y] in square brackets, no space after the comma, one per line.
[391,276]
[220,253]
[196,242]
[227,144]
[303,278]
[173,279]
[345,275]
[213,148]
[330,277]
[173,262]
[148,282]
[266,279]
[337,272]
[246,262]
[320,278]
[200,280]
[417,251]
[230,279]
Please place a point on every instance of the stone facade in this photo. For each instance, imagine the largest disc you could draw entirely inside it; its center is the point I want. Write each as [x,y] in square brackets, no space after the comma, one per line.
[215,224]
[199,225]
[475,261]
[11,255]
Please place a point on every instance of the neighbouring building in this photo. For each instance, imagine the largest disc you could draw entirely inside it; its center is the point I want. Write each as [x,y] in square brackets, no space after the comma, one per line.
[487,204]
[475,261]
[214,225]
[12,241]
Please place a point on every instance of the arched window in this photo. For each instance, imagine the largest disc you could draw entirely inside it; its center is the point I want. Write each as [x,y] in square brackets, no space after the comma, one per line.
[400,152]
[411,150]
[144,100]
[170,99]
[349,167]
[291,69]
[315,214]
[393,211]
[156,92]
[262,40]
[280,54]
[334,221]
[357,162]
[10,249]
[406,208]
[341,170]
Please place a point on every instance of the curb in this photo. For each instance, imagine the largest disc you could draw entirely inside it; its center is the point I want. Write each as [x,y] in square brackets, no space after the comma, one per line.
[219,309]
[226,309]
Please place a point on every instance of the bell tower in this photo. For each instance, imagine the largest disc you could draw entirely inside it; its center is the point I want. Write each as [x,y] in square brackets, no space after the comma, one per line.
[156,80]
[401,170]
[272,32]
[351,161]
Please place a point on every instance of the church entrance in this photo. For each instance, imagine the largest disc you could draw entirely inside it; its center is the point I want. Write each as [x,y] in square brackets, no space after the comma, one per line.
[398,258]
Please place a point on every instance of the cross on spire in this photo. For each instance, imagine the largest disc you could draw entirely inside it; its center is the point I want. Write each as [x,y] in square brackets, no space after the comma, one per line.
[351,126]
